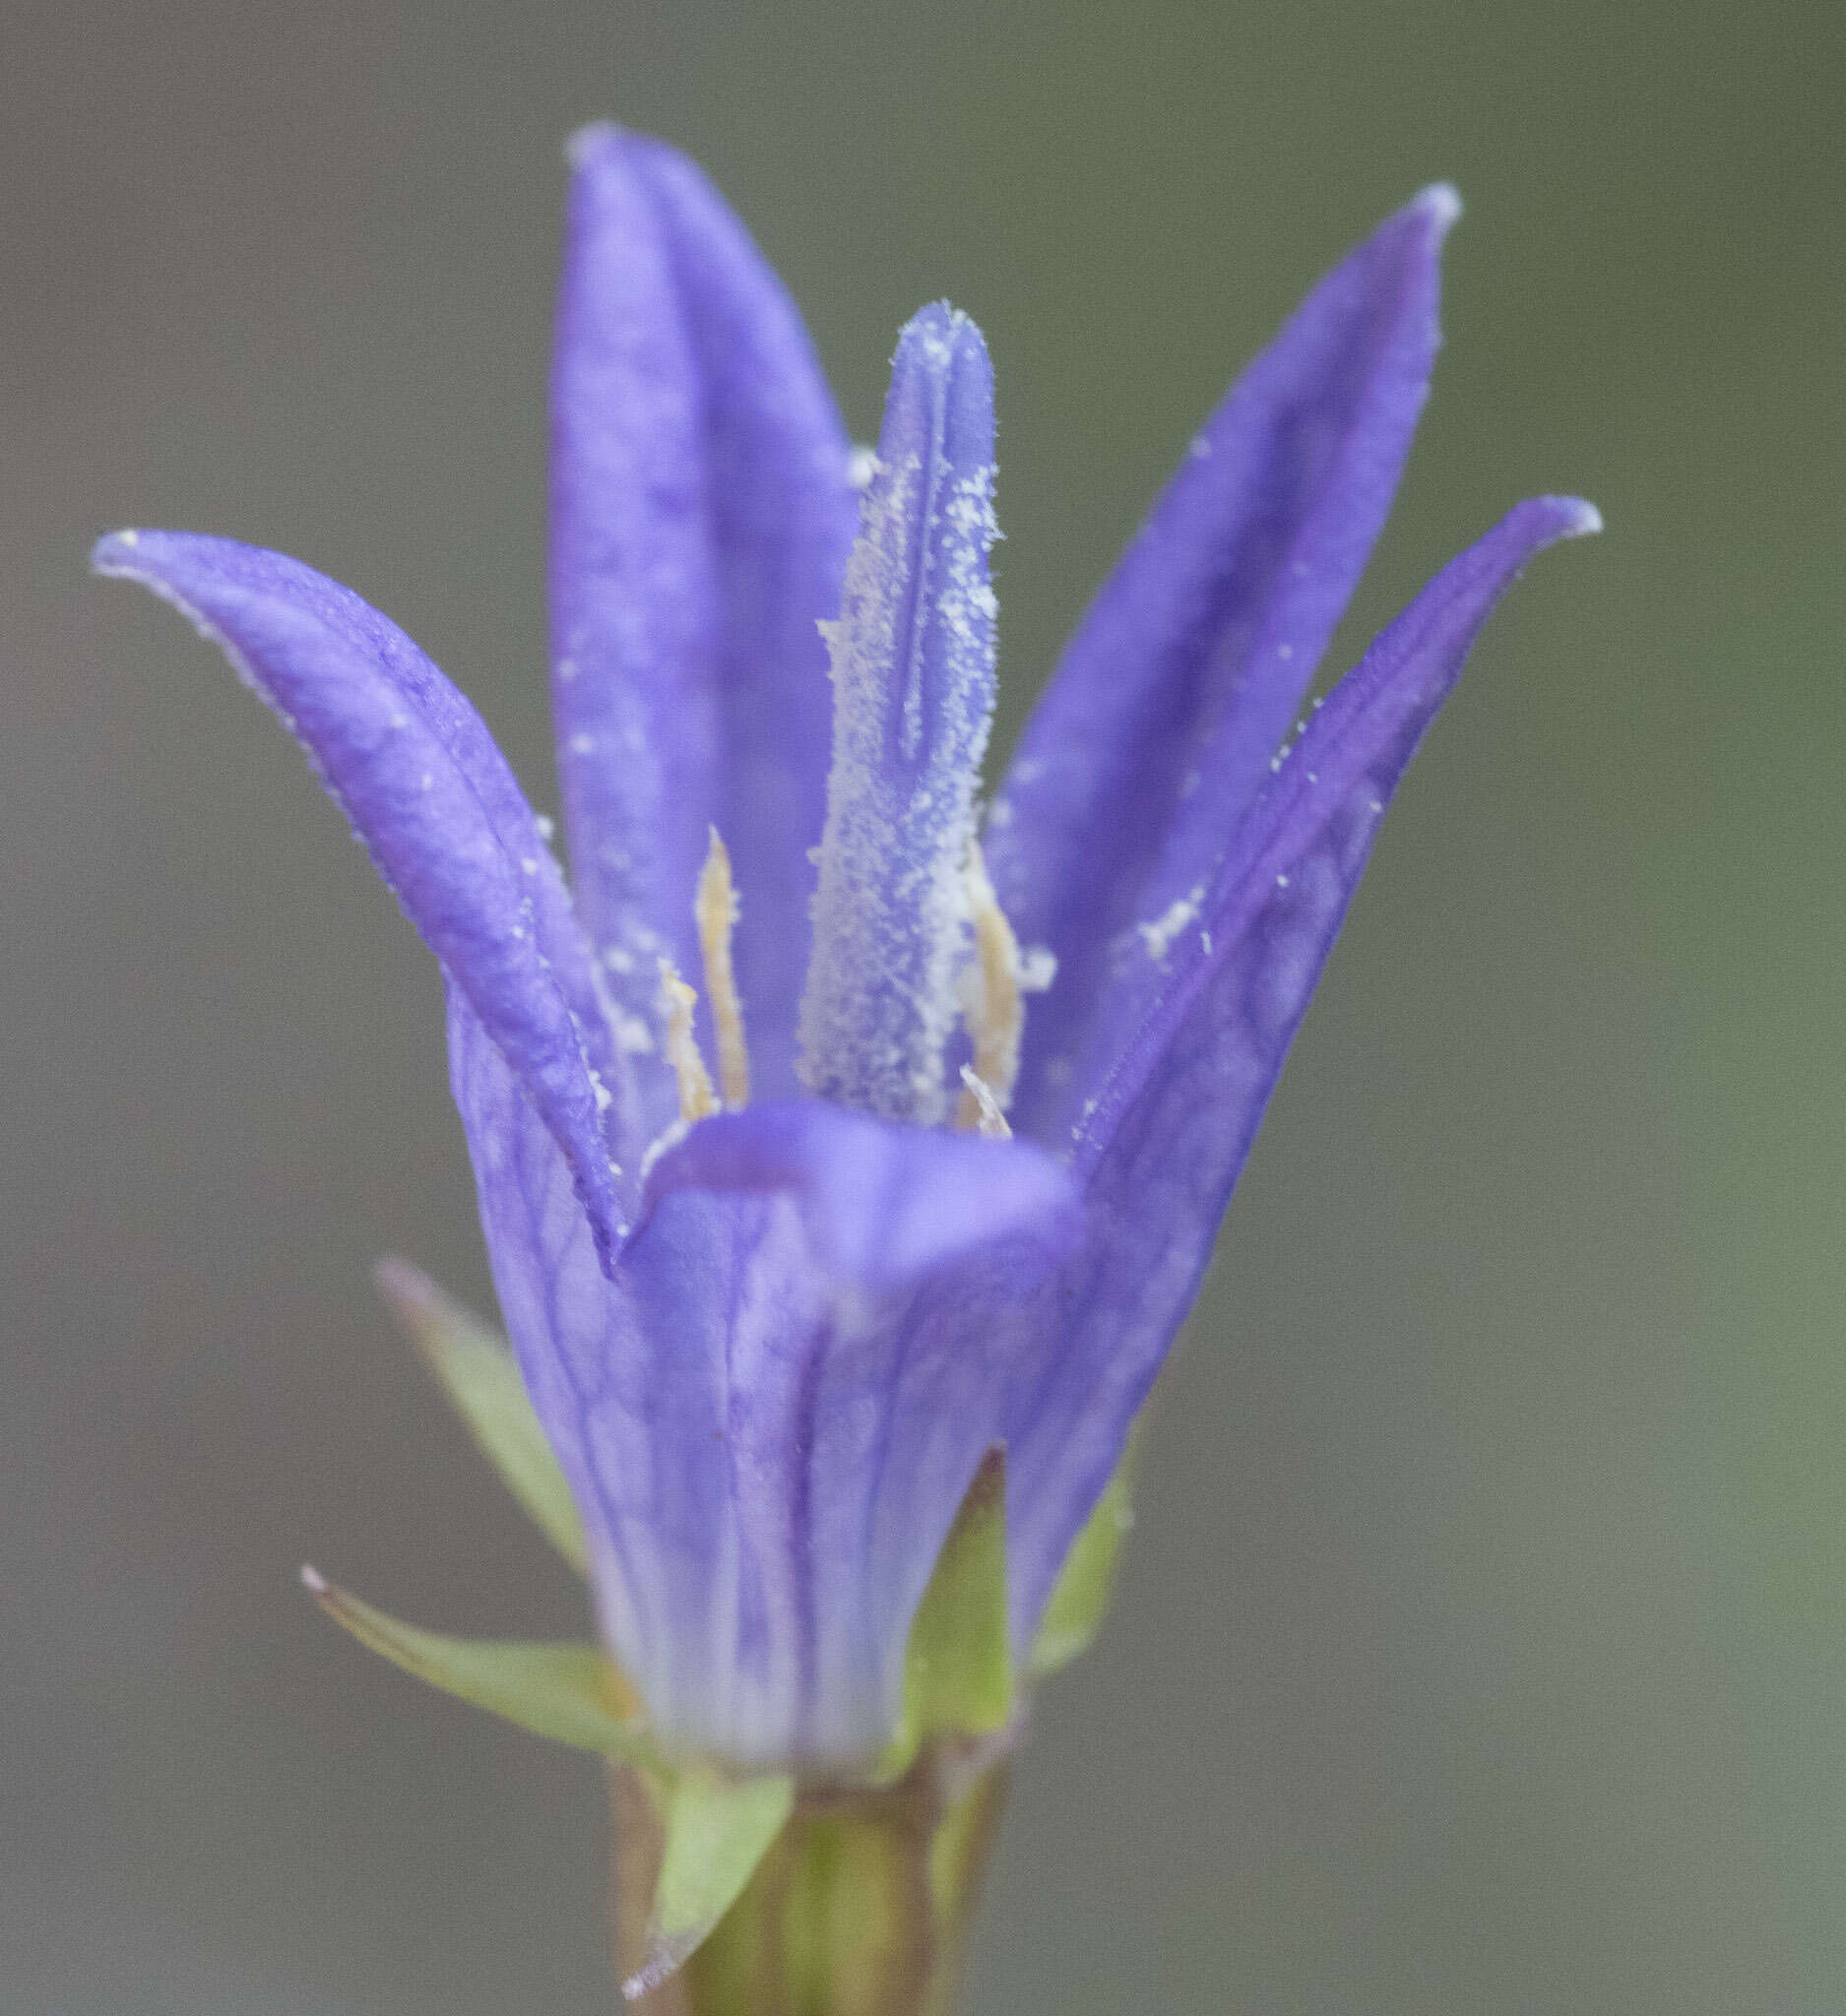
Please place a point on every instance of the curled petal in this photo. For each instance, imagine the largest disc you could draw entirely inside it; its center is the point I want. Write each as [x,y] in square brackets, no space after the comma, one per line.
[425,787]
[773,1412]
[1157,729]
[701,516]
[883,1206]
[1165,1142]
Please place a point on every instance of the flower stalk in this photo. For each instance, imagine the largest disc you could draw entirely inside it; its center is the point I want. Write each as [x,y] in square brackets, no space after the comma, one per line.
[860,1908]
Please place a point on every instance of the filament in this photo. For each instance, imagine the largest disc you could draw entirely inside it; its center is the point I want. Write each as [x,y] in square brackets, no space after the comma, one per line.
[715,909]
[993,1008]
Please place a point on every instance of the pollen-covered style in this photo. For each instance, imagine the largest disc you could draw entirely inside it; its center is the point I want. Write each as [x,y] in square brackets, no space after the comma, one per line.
[829,1136]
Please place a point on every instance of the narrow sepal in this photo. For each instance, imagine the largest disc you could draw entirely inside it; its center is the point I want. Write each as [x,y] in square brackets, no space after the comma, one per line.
[958,1673]
[1086,1582]
[717,1830]
[427,790]
[570,1694]
[477,1372]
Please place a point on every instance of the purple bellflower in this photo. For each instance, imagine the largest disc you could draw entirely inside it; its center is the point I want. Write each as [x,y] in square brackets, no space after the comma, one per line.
[829,1136]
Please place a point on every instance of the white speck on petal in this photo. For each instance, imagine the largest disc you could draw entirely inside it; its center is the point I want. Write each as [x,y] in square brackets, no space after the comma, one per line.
[1173,920]
[632,1033]
[1037,969]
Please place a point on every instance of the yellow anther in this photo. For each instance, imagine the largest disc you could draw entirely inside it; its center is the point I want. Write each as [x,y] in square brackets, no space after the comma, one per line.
[989,1119]
[677,1001]
[995,1011]
[715,909]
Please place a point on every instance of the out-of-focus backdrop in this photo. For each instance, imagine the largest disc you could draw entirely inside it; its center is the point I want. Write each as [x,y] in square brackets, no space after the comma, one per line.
[1483,1642]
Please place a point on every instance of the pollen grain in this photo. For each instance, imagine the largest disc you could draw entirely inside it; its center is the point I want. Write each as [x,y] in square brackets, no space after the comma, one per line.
[995,1009]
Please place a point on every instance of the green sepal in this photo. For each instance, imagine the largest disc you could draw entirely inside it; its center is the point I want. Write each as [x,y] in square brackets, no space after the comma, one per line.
[1080,1596]
[717,1831]
[958,1669]
[571,1693]
[476,1370]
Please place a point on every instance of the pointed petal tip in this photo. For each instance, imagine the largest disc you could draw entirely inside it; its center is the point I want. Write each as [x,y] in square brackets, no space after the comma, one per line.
[151,559]
[1550,519]
[608,144]
[1581,518]
[113,553]
[589,143]
[1442,205]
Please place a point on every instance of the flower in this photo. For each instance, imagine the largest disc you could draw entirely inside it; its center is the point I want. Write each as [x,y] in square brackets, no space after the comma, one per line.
[984,1086]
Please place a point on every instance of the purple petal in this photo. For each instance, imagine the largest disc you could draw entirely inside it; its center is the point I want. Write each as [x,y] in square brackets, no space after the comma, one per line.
[1158,727]
[701,518]
[425,787]
[883,1205]
[768,1420]
[912,677]
[1165,1142]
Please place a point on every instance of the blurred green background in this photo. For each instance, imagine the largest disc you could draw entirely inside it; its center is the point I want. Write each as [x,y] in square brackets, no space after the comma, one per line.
[1483,1647]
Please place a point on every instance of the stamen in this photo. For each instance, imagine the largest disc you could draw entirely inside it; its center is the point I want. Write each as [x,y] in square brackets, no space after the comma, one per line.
[677,1001]
[716,911]
[978,1096]
[995,1009]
